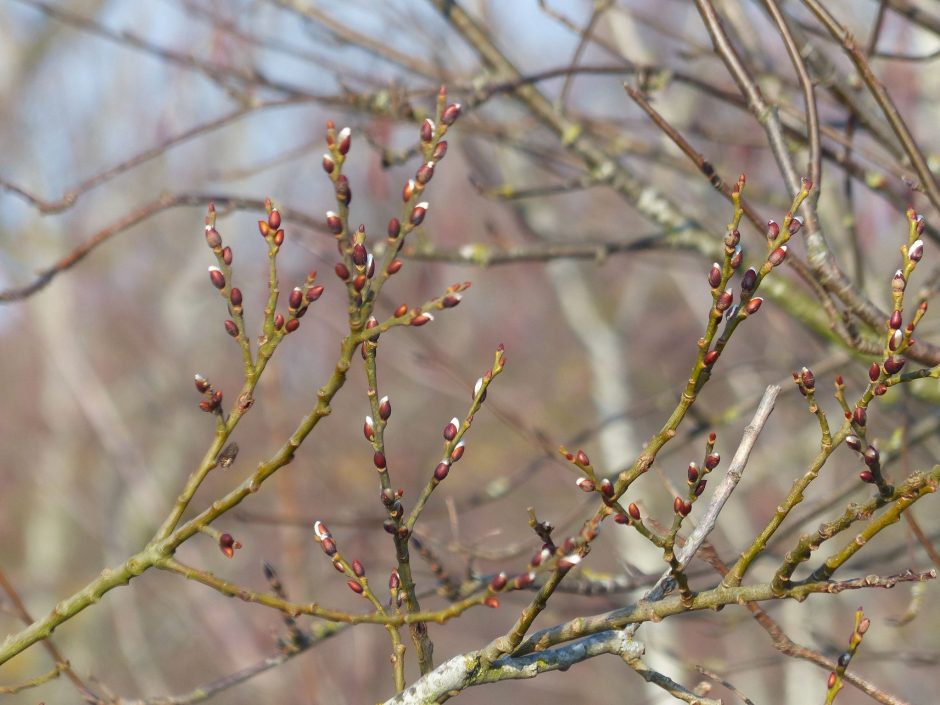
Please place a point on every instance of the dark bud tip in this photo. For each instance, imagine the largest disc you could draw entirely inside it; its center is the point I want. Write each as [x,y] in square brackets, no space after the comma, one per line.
[871,456]
[749,280]
[296,298]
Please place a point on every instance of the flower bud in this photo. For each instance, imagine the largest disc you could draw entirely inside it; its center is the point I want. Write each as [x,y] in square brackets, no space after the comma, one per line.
[585,484]
[874,371]
[450,114]
[634,511]
[724,300]
[418,213]
[853,442]
[777,256]
[216,277]
[355,586]
[344,140]
[334,223]
[328,164]
[714,276]
[916,251]
[235,296]
[450,430]
[749,280]
[342,271]
[773,230]
[440,472]
[860,416]
[440,149]
[753,306]
[213,239]
[795,225]
[231,328]
[893,365]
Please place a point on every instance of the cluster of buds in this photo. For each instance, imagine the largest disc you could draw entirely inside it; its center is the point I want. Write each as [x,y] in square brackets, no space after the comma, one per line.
[354,570]
[228,545]
[872,459]
[588,481]
[834,682]
[695,475]
[453,448]
[391,499]
[270,228]
[212,398]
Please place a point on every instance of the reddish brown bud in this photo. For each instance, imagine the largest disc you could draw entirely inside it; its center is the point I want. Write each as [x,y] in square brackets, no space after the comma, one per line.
[916,251]
[893,365]
[427,130]
[808,379]
[440,472]
[863,626]
[753,306]
[355,586]
[866,476]
[359,255]
[871,456]
[692,473]
[274,219]
[621,518]
[732,239]
[296,298]
[358,569]
[216,277]
[394,228]
[491,601]
[424,173]
[498,582]
[451,300]
[450,114]
[394,266]
[749,280]
[418,213]
[328,545]
[359,282]
[607,488]
[334,223]
[880,390]
[724,300]
[710,358]
[439,151]
[213,239]
[368,428]
[227,256]
[699,488]
[714,276]
[344,140]
[523,581]
[634,511]
[202,384]
[777,256]
[895,321]
[678,505]
[235,296]
[292,325]
[342,271]
[421,319]
[582,459]
[231,328]
[264,228]
[278,238]
[328,164]
[228,544]
[773,230]
[874,372]
[795,225]
[314,293]
[853,442]
[379,460]
[457,453]
[450,430]
[278,321]
[401,311]
[394,582]
[338,566]
[736,258]
[860,416]
[585,484]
